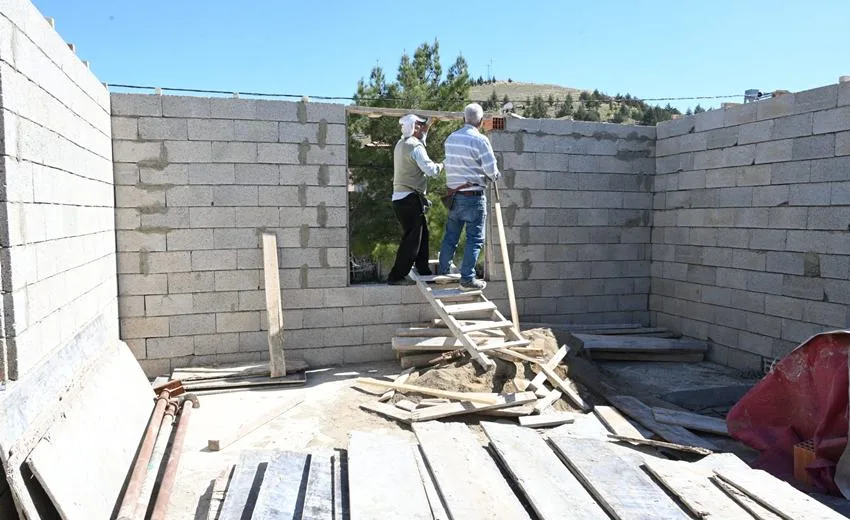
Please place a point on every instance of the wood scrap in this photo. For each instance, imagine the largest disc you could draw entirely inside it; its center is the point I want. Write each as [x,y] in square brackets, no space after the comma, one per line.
[239,499]
[691,421]
[426,332]
[198,373]
[431,401]
[451,449]
[543,404]
[461,408]
[388,411]
[460,396]
[250,426]
[599,343]
[406,405]
[438,510]
[551,490]
[776,495]
[758,511]
[553,362]
[274,309]
[401,379]
[319,493]
[642,413]
[247,382]
[618,424]
[543,421]
[282,481]
[661,444]
[218,492]
[556,381]
[513,411]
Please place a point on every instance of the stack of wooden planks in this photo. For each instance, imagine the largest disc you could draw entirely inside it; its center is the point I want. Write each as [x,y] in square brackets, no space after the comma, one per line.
[638,348]
[206,380]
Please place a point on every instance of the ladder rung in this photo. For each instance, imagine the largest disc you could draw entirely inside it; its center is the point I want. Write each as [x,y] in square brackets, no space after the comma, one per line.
[506,344]
[462,308]
[453,293]
[490,325]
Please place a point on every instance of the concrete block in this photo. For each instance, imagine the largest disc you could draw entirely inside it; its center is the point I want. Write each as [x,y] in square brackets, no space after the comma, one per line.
[842,143]
[347,336]
[235,239]
[792,126]
[138,284]
[211,173]
[821,98]
[787,218]
[752,217]
[248,259]
[171,174]
[754,175]
[208,344]
[232,108]
[191,282]
[277,153]
[330,112]
[237,280]
[839,193]
[790,172]
[770,239]
[756,132]
[212,217]
[135,105]
[255,301]
[144,327]
[331,155]
[833,169]
[211,130]
[771,195]
[844,93]
[720,138]
[226,152]
[257,174]
[237,321]
[747,300]
[738,238]
[189,151]
[778,106]
[785,262]
[273,110]
[774,151]
[131,306]
[256,131]
[185,106]
[722,177]
[213,260]
[168,305]
[803,287]
[814,147]
[745,259]
[162,128]
[256,217]
[717,256]
[835,266]
[189,239]
[735,197]
[188,196]
[740,114]
[192,324]
[733,278]
[125,128]
[769,283]
[215,302]
[123,174]
[810,195]
[824,313]
[253,342]
[829,218]
[709,120]
[172,262]
[161,217]
[136,151]
[235,195]
[838,291]
[682,125]
[834,120]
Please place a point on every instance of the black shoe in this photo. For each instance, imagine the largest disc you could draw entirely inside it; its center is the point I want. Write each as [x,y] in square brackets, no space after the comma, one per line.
[401,281]
[426,272]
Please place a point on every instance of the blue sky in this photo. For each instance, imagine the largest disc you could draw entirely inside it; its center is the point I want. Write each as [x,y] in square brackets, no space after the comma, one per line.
[650,49]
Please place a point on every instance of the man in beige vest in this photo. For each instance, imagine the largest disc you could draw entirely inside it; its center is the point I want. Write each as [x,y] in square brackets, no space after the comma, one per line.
[411,169]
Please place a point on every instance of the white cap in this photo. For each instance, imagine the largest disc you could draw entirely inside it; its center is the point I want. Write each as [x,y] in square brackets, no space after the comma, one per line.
[408,124]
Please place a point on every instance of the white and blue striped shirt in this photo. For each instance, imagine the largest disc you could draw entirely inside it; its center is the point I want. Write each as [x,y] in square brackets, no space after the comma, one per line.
[469,159]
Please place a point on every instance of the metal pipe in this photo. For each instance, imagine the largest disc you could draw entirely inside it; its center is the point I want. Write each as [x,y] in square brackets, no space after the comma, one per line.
[166,485]
[134,486]
[155,462]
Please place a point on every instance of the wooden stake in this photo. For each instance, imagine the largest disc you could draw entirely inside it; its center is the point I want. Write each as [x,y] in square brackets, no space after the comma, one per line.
[503,243]
[274,310]
[459,396]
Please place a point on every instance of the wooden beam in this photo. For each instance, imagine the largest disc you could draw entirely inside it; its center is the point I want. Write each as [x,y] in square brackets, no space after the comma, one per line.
[452,409]
[281,488]
[459,396]
[274,309]
[401,379]
[319,495]
[542,421]
[691,421]
[642,413]
[553,362]
[615,422]
[506,261]
[598,342]
[640,441]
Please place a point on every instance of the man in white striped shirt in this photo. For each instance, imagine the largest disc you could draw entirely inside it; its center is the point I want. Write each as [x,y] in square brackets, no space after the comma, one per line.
[469,164]
[411,169]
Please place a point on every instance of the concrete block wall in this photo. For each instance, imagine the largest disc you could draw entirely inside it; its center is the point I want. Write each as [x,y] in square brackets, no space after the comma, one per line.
[197,180]
[577,204]
[751,236]
[57,235]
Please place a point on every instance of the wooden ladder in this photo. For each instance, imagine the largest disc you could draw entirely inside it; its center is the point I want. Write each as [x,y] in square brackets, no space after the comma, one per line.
[456,307]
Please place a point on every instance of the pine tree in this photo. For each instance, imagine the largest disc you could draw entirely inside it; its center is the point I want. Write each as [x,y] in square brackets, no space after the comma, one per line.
[698,109]
[566,108]
[551,100]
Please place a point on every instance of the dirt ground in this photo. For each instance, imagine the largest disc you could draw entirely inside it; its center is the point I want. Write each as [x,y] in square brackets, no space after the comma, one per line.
[329,410]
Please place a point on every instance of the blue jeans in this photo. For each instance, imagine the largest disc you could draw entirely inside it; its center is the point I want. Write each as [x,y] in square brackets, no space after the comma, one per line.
[472,213]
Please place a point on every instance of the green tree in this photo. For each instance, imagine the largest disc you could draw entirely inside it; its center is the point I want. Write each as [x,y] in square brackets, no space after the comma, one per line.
[420,84]
[492,102]
[566,108]
[536,108]
[550,100]
[698,109]
[505,100]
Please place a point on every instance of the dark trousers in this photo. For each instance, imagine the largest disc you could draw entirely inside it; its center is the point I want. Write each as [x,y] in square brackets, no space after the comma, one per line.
[413,248]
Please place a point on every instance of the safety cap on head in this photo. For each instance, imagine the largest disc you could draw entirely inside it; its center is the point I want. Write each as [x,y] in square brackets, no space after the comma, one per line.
[408,124]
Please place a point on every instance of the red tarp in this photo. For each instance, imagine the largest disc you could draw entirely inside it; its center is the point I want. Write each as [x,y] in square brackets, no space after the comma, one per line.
[804,397]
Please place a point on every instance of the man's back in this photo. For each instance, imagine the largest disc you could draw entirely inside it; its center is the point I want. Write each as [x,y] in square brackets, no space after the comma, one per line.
[469,158]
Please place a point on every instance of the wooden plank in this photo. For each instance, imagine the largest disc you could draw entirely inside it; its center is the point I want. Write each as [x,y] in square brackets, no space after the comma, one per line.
[550,488]
[437,344]
[543,421]
[432,401]
[547,401]
[562,385]
[241,496]
[468,308]
[378,463]
[319,496]
[247,382]
[615,422]
[748,504]
[492,345]
[438,509]
[227,439]
[596,342]
[284,485]
[695,490]
[401,379]
[640,441]
[198,373]
[629,332]
[579,327]
[553,362]
[388,410]
[438,278]
[513,411]
[691,421]
[340,483]
[643,414]
[506,261]
[406,405]
[622,489]
[492,326]
[776,495]
[434,332]
[462,396]
[451,409]
[454,294]
[218,492]
[684,357]
[467,477]
[274,309]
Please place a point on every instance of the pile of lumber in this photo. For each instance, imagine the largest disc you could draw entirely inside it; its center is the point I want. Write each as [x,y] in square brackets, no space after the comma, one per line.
[207,380]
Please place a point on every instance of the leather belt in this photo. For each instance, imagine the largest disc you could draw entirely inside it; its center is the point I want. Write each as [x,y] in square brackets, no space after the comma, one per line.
[476,193]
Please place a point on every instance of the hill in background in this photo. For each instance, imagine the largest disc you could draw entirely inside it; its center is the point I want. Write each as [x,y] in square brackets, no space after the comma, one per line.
[542,101]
